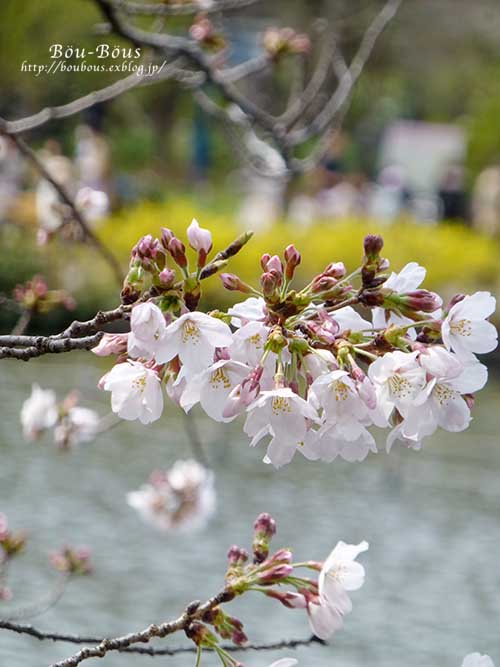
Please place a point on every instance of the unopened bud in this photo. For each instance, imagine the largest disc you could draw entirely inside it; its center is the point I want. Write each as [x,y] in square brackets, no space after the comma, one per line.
[237,555]
[167,277]
[293,259]
[456,299]
[335,270]
[166,236]
[264,260]
[233,283]
[275,264]
[178,251]
[275,574]
[373,244]
[323,283]
[265,525]
[422,300]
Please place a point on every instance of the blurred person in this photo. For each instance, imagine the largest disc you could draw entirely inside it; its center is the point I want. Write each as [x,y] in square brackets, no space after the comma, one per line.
[452,196]
[93,159]
[49,208]
[390,196]
[11,176]
[486,201]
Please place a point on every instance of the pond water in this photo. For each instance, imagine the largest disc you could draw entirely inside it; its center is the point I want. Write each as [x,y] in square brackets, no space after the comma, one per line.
[432,518]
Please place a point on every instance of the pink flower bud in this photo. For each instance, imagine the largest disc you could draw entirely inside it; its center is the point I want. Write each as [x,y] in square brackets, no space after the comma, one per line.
[148,247]
[237,555]
[264,260]
[111,344]
[456,299]
[293,259]
[422,300]
[200,240]
[265,525]
[323,283]
[335,270]
[281,556]
[275,574]
[234,284]
[288,599]
[269,283]
[167,277]
[275,264]
[178,251]
[166,236]
[373,244]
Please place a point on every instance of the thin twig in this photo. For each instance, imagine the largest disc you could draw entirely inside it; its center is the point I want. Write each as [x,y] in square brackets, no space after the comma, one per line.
[107,255]
[143,650]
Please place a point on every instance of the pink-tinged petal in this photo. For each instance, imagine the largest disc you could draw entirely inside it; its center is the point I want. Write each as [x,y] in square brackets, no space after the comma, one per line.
[324,620]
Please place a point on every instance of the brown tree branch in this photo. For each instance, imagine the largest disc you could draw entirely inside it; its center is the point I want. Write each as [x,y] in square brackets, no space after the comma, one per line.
[105,94]
[149,650]
[193,612]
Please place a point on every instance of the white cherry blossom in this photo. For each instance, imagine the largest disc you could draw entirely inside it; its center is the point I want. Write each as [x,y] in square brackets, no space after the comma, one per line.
[285,662]
[252,309]
[193,337]
[398,379]
[284,415]
[440,403]
[347,438]
[248,343]
[408,279]
[340,573]
[212,387]
[465,329]
[348,318]
[148,328]
[39,412]
[135,392]
[336,395]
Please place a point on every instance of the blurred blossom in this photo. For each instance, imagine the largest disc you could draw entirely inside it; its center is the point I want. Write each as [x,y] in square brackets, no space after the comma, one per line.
[181,498]
[34,295]
[78,425]
[477,660]
[71,423]
[39,412]
[93,204]
[71,560]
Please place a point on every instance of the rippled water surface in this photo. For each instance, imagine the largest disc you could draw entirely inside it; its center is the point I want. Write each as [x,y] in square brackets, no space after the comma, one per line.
[432,518]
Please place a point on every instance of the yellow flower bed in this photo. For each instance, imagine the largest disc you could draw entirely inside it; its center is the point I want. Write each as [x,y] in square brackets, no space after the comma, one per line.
[456,257]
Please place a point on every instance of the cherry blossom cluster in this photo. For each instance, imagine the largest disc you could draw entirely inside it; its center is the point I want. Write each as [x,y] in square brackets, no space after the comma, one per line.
[35,296]
[323,596]
[70,423]
[179,499]
[310,368]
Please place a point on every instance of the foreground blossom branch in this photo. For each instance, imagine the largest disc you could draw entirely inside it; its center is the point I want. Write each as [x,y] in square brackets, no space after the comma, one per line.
[86,335]
[309,372]
[324,598]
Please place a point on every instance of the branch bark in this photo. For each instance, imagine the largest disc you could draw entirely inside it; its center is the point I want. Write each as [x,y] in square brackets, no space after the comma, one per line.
[29,630]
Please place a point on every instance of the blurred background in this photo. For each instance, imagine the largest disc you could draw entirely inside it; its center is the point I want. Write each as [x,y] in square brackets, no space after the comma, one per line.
[417,160]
